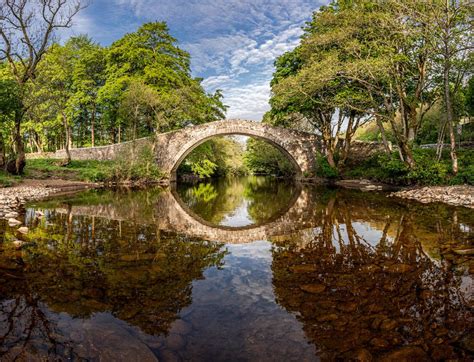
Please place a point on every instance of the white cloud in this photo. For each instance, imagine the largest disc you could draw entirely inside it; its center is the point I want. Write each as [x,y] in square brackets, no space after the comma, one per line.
[248,101]
[219,81]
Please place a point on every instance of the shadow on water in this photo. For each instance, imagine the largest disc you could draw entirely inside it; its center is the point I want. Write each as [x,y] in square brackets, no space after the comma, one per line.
[144,275]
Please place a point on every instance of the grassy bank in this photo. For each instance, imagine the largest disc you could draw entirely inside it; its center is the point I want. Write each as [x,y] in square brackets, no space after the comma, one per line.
[389,169]
[8,180]
[93,171]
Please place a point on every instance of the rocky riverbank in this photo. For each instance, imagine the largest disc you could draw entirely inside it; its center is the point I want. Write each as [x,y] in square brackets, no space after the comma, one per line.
[365,185]
[13,199]
[453,195]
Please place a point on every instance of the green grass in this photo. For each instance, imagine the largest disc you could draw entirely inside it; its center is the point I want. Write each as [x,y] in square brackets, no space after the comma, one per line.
[389,169]
[8,180]
[94,171]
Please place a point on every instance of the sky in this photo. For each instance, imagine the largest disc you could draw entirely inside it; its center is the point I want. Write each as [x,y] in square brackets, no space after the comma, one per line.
[233,43]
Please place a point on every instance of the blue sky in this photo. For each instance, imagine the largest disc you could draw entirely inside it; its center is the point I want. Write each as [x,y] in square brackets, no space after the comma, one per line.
[233,43]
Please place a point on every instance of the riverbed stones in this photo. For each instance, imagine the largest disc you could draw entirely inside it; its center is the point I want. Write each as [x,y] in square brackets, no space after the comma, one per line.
[18,243]
[462,195]
[12,199]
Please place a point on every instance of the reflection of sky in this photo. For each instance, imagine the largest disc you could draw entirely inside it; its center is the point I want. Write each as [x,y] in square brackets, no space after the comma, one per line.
[235,313]
[239,216]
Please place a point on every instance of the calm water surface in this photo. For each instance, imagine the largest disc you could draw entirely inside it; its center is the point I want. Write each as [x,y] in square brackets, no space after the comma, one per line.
[239,269]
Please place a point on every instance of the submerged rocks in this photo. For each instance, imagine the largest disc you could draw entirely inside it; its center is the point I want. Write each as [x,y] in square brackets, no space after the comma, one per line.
[313,288]
[364,185]
[409,353]
[452,195]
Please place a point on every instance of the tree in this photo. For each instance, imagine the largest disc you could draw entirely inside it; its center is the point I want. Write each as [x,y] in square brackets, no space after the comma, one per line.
[26,30]
[453,28]
[307,90]
[377,59]
[149,63]
[263,158]
[9,105]
[88,78]
[53,87]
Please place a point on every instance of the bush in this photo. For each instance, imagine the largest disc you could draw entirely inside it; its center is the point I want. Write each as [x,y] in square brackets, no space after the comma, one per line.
[90,170]
[428,171]
[137,165]
[323,169]
[7,180]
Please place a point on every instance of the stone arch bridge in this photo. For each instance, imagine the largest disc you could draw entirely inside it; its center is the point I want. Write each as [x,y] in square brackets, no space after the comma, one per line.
[172,147]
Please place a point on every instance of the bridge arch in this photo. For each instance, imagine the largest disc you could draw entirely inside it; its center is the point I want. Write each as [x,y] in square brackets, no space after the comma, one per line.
[173,147]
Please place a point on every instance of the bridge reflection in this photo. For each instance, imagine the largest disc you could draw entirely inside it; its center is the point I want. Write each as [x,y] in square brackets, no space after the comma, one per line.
[171,213]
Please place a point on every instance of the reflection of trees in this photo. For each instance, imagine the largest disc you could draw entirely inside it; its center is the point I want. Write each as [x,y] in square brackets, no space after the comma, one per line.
[203,192]
[215,200]
[267,197]
[83,265]
[358,298]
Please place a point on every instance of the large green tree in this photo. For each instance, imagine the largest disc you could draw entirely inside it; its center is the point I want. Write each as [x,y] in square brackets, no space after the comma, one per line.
[150,77]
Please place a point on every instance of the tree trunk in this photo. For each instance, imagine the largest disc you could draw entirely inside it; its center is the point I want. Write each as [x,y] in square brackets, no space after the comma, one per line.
[454,157]
[330,157]
[37,144]
[440,143]
[93,126]
[2,151]
[20,150]
[407,155]
[347,143]
[67,142]
[449,111]
[383,134]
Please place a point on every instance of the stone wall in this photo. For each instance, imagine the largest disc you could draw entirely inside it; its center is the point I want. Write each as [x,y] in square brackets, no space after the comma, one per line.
[100,153]
[364,149]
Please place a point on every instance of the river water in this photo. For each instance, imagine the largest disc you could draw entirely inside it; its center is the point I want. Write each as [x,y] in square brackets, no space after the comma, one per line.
[238,269]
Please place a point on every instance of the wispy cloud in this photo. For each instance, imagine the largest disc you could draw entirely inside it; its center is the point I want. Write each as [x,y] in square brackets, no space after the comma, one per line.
[249,101]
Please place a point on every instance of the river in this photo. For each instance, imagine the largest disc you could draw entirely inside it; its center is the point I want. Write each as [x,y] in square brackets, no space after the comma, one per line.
[248,268]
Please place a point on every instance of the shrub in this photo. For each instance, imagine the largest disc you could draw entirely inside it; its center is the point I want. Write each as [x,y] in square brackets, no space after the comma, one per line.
[428,171]
[137,164]
[323,169]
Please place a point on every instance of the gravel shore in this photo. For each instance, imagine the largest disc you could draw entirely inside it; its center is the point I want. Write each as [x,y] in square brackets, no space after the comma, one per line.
[12,199]
[453,195]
